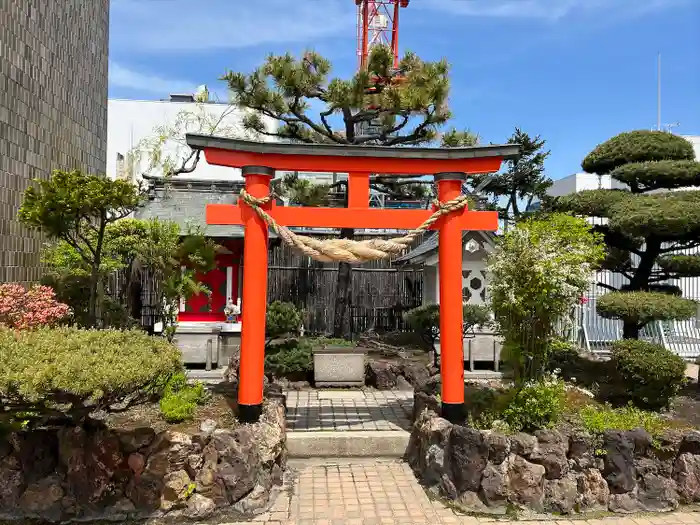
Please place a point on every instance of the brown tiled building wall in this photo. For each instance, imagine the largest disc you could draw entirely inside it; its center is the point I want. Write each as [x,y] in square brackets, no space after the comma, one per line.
[53,108]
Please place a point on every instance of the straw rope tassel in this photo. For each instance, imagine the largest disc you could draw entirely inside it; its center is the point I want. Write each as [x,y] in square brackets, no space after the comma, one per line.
[346,250]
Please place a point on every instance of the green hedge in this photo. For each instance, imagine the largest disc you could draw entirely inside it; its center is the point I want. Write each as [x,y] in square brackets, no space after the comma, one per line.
[59,373]
[647,374]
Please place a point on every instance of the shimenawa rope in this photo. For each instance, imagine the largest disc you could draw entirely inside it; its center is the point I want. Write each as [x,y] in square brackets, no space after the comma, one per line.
[346,250]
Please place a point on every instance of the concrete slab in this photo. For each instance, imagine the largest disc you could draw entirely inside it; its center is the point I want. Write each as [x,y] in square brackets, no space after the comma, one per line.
[334,444]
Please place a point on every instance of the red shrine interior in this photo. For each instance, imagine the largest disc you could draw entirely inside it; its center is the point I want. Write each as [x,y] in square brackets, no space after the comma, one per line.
[223,282]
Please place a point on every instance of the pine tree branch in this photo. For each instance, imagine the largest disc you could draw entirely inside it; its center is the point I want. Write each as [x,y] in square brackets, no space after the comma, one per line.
[607,286]
[296,111]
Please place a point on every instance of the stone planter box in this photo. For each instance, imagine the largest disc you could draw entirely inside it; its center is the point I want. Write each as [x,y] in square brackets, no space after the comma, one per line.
[339,366]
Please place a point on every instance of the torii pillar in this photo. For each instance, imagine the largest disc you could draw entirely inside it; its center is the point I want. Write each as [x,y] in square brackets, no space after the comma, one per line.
[259,161]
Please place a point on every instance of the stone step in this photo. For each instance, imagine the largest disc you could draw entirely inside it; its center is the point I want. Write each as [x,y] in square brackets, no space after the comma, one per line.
[208,377]
[482,374]
[348,444]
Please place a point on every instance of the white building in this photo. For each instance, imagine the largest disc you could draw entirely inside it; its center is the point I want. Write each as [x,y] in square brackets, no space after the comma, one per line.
[129,122]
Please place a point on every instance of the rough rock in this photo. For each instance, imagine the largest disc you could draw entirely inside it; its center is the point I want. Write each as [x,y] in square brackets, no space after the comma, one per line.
[254,502]
[468,456]
[686,472]
[550,452]
[471,501]
[144,492]
[381,376]
[625,503]
[168,453]
[593,491]
[656,493]
[619,469]
[121,509]
[522,444]
[403,384]
[494,484]
[194,463]
[175,489]
[270,433]
[11,482]
[582,452]
[135,439]
[560,494]
[207,426]
[42,497]
[434,465]
[137,463]
[526,483]
[499,446]
[423,401]
[230,465]
[90,461]
[37,453]
[641,441]
[690,443]
[199,507]
[416,374]
[428,430]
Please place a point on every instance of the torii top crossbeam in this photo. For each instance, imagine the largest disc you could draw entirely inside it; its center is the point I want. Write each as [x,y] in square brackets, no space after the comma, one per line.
[260,160]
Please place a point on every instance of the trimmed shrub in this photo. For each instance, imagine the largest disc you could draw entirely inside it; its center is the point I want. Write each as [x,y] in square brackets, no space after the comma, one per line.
[536,405]
[67,373]
[282,319]
[641,308]
[647,374]
[180,400]
[292,358]
[24,309]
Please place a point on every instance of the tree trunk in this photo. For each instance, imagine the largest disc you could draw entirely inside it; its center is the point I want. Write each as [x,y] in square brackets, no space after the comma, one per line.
[92,303]
[95,274]
[343,293]
[630,330]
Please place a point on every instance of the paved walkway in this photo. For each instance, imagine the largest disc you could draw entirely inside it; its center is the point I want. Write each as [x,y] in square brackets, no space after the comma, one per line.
[316,410]
[371,492]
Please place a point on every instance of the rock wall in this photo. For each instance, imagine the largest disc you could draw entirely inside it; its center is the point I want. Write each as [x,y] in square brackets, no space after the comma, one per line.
[555,471]
[77,473]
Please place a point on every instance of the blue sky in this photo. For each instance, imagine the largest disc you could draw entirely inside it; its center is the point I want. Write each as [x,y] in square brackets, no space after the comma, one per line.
[574,71]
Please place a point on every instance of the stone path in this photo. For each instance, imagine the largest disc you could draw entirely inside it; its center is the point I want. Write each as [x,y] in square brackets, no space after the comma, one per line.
[371,492]
[332,410]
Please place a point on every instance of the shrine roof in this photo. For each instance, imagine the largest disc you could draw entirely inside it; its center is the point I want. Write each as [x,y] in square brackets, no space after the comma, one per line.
[389,160]
[505,151]
[183,201]
[430,245]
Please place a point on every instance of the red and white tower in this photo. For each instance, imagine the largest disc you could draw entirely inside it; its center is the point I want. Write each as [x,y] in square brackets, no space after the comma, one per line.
[378,24]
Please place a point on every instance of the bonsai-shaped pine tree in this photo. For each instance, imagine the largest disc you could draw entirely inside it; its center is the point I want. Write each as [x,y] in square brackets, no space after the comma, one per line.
[646,224]
[377,106]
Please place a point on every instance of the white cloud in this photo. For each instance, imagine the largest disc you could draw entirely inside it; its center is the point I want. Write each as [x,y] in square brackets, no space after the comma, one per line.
[190,25]
[546,9]
[124,77]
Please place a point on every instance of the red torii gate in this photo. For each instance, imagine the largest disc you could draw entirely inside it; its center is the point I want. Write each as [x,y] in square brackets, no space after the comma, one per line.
[259,160]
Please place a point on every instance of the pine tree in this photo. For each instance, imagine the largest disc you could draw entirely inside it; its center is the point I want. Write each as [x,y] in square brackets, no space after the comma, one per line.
[522,180]
[377,106]
[647,225]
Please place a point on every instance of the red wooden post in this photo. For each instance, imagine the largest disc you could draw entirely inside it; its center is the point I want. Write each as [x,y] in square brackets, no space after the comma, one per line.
[254,303]
[450,271]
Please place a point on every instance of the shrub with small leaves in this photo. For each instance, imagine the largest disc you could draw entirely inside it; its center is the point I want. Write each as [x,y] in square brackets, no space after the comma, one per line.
[597,419]
[180,400]
[536,405]
[647,374]
[67,373]
[24,309]
[425,321]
